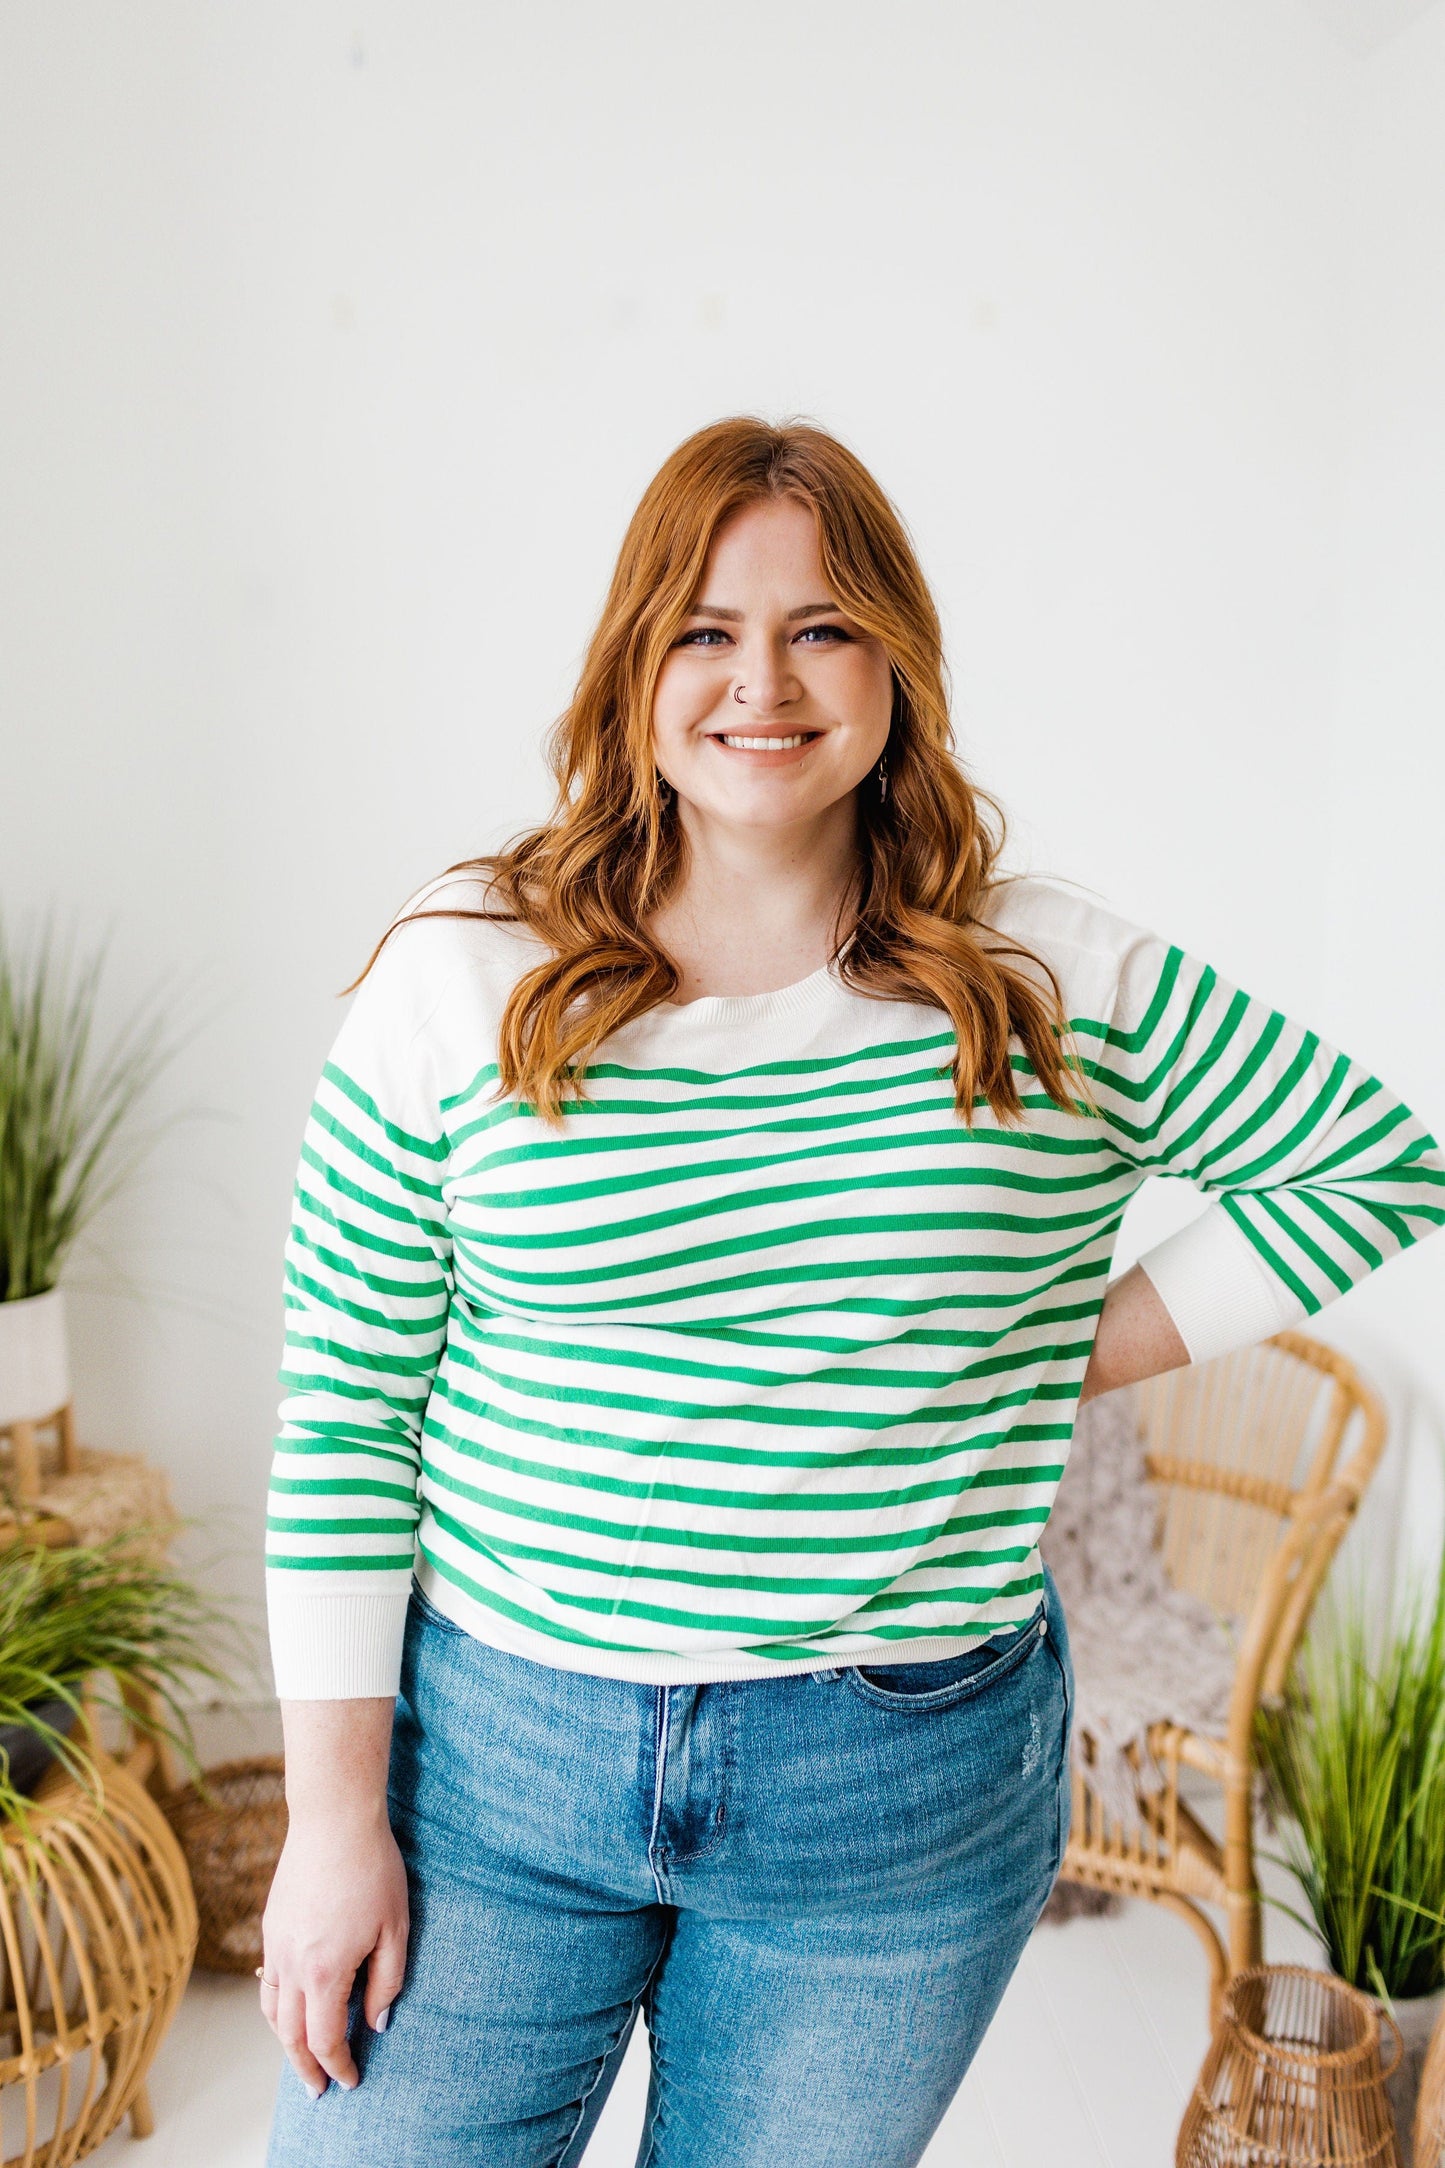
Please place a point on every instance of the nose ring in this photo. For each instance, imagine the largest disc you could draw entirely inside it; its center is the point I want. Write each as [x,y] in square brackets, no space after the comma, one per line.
[738,696]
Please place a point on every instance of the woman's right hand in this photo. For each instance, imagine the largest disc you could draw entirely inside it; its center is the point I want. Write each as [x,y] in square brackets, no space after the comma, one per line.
[339,1896]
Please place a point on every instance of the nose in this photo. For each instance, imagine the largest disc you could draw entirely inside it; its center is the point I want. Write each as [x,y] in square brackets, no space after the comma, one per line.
[766,679]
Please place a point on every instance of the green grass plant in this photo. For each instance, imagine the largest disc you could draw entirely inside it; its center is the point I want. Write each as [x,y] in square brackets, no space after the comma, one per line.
[104,1616]
[1353,1754]
[66,1142]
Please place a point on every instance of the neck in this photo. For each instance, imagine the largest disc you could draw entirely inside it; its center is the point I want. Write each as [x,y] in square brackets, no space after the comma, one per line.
[757,908]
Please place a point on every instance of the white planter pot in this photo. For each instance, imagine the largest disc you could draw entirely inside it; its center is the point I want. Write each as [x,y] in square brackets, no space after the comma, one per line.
[1416,2017]
[34,1357]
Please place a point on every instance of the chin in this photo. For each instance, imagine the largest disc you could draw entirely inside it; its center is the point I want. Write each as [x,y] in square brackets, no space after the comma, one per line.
[766,805]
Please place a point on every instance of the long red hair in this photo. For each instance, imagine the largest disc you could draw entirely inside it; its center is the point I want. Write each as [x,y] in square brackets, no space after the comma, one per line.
[610,852]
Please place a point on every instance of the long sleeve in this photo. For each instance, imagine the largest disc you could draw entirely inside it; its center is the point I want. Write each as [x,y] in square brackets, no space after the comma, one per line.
[1316,1173]
[368,1280]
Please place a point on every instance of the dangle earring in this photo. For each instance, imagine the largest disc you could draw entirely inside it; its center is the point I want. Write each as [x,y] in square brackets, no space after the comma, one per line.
[882,776]
[664,788]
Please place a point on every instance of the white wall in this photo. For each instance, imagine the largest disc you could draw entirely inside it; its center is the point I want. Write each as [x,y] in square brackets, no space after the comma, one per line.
[1385,753]
[341,341]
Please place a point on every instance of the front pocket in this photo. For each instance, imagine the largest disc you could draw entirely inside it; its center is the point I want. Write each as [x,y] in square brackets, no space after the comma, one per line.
[958,1677]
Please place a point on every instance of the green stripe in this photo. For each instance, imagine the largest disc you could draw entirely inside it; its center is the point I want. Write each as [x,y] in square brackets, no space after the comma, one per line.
[1133,1042]
[666,1614]
[343,1562]
[1310,1120]
[833,1501]
[375,1320]
[792,1544]
[748,1168]
[641,1225]
[934,1104]
[1244,1221]
[422,1147]
[387,1525]
[342,1487]
[361,1238]
[901,1379]
[1312,1201]
[770,1417]
[870,1228]
[373,1282]
[1145,1085]
[735,1583]
[1376,1134]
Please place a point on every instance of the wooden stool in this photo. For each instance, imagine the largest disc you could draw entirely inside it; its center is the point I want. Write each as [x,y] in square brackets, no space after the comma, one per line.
[25,1454]
[61,1491]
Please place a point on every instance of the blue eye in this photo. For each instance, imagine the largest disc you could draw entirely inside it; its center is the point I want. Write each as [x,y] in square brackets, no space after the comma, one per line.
[706,636]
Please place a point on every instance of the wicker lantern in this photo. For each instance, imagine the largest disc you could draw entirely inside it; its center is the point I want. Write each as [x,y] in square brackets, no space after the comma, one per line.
[1292,2078]
[97,1934]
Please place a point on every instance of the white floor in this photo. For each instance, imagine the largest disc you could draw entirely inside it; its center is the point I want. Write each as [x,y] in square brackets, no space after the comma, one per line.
[1090,2059]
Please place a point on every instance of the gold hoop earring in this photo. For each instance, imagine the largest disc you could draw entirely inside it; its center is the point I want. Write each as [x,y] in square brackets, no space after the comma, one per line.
[664,788]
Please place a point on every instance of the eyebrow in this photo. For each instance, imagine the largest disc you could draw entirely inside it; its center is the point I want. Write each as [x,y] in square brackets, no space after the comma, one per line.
[808,609]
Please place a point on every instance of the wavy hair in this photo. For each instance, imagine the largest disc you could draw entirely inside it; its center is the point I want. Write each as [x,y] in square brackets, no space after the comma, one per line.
[611,851]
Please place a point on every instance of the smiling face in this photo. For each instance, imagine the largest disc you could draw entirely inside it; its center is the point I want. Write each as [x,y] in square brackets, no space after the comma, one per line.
[816,690]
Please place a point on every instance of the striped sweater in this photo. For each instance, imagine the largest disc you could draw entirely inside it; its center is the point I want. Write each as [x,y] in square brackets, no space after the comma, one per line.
[768,1361]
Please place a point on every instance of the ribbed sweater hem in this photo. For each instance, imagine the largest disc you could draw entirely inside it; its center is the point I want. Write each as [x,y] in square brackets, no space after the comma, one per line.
[1216,1290]
[339,1645]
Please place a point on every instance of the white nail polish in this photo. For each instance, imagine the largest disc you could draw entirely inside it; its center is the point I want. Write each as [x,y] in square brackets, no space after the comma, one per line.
[383,2021]
[314,2090]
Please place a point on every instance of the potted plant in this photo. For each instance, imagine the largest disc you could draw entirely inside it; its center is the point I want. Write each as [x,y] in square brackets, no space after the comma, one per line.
[1353,1755]
[108,1625]
[64,1112]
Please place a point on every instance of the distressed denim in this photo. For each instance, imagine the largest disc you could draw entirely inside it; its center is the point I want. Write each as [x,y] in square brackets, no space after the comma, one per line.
[814,1887]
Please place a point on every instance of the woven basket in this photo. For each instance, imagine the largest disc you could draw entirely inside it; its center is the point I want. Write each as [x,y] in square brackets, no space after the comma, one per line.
[231,1848]
[1293,2077]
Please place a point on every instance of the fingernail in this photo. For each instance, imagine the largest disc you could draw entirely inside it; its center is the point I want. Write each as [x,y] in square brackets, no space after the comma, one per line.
[314,2090]
[348,2085]
[383,2021]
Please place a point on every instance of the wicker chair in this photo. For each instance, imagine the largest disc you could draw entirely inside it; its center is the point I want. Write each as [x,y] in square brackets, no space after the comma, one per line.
[1254,1500]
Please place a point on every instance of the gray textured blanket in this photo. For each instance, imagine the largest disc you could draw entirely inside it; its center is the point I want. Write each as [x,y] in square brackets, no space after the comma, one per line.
[1142,1650]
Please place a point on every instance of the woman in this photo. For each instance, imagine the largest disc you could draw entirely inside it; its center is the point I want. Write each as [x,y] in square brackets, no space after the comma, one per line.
[699,1257]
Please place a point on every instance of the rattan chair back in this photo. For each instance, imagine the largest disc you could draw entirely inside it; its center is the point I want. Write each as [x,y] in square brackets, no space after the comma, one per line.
[1259,1460]
[1238,1449]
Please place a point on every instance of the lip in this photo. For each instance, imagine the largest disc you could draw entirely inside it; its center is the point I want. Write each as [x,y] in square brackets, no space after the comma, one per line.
[765,756]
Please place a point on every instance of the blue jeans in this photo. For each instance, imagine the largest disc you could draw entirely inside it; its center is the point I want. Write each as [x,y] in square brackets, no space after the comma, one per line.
[815,1887]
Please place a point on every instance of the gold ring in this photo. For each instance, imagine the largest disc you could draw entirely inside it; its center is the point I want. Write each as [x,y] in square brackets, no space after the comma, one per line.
[261,1976]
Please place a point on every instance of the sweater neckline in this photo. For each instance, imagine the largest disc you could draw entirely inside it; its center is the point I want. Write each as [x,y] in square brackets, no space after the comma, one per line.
[756,1008]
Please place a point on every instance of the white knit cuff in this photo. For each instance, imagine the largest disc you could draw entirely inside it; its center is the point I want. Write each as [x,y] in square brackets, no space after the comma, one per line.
[334,1644]
[1219,1293]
